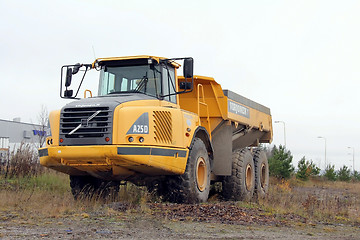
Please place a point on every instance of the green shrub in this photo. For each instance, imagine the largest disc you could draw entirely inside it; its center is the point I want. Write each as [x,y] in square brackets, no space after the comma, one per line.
[306,169]
[330,173]
[280,163]
[344,174]
[356,176]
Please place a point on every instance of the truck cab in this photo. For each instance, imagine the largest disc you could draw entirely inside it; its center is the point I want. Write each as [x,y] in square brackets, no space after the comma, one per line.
[146,76]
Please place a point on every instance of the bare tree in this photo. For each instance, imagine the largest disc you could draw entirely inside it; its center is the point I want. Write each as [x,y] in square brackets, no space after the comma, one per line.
[43,119]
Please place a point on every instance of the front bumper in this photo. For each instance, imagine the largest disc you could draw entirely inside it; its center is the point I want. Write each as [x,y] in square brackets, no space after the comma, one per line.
[120,159]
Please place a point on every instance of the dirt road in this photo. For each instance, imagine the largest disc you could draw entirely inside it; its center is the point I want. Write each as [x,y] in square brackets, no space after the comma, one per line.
[224,220]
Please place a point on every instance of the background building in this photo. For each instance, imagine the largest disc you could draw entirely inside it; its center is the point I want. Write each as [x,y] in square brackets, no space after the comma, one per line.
[13,133]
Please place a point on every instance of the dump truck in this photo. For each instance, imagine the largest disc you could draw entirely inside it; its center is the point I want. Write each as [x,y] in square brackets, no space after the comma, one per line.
[176,135]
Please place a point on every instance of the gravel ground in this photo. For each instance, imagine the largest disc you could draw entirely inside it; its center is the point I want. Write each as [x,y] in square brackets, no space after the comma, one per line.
[223,220]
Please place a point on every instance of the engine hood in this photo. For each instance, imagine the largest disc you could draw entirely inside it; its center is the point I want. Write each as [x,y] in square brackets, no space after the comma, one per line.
[89,121]
[109,101]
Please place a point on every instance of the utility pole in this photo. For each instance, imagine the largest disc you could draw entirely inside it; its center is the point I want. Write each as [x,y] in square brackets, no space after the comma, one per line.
[325,149]
[353,158]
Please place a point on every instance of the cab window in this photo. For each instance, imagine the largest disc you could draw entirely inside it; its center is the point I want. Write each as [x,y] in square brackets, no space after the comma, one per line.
[168,80]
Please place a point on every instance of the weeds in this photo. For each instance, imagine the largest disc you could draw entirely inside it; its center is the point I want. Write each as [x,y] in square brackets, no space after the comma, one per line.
[23,161]
[316,199]
[47,194]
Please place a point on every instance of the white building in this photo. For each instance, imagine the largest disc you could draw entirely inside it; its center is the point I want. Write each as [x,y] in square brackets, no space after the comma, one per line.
[13,133]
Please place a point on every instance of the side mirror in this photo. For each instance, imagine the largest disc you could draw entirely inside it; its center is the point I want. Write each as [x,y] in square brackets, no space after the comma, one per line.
[185,85]
[76,68]
[188,67]
[68,93]
[68,78]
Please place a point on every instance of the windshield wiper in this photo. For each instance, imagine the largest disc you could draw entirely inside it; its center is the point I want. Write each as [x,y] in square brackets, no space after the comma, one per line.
[142,84]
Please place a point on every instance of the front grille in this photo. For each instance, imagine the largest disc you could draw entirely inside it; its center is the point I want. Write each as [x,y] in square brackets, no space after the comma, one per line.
[85,123]
[163,127]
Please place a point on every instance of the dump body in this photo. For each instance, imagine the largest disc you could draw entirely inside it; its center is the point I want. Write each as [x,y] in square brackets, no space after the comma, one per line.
[225,105]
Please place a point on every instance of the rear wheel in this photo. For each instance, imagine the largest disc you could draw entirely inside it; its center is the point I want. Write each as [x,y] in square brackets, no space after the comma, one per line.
[261,174]
[194,185]
[241,184]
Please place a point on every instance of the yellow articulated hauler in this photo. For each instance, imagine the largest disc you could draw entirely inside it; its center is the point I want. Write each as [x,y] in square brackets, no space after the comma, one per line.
[176,135]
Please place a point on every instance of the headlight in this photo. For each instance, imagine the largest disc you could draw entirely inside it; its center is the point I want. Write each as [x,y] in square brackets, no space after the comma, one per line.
[48,129]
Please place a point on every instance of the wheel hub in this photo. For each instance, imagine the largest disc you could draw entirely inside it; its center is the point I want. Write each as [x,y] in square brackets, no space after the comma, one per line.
[201,176]
[262,175]
[249,177]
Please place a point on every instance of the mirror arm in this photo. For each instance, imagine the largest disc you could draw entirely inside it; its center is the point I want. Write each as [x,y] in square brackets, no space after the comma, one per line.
[62,95]
[81,82]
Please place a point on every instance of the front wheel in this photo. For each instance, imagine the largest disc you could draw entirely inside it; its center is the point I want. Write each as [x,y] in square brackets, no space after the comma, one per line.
[82,187]
[194,185]
[89,187]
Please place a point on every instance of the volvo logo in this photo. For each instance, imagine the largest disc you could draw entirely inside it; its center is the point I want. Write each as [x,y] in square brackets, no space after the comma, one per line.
[85,122]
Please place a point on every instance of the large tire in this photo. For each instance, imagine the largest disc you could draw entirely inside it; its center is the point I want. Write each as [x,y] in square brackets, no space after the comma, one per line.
[82,187]
[194,185]
[240,185]
[107,190]
[261,174]
[88,187]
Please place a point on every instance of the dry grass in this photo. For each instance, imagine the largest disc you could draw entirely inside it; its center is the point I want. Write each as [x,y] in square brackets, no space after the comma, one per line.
[23,161]
[28,190]
[48,195]
[44,195]
[316,200]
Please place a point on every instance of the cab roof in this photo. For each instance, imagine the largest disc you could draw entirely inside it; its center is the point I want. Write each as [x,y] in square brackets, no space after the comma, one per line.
[113,60]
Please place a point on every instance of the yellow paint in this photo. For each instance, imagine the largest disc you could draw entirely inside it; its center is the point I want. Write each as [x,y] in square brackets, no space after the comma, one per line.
[54,119]
[217,104]
[127,113]
[100,158]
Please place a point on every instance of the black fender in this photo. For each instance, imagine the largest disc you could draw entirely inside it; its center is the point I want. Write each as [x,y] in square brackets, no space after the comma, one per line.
[202,133]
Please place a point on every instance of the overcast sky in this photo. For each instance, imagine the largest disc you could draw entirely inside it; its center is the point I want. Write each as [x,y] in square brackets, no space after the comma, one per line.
[299,58]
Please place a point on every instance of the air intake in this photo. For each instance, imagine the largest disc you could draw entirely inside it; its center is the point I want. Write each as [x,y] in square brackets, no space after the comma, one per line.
[163,127]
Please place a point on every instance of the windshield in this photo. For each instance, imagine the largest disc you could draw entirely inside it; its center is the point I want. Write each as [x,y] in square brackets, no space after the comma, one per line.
[123,79]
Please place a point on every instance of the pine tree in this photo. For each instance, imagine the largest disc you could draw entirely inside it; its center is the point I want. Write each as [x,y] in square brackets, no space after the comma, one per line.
[306,169]
[344,174]
[330,173]
[280,163]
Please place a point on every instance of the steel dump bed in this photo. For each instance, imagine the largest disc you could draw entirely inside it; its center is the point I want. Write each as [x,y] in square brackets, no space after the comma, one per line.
[247,112]
[216,106]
